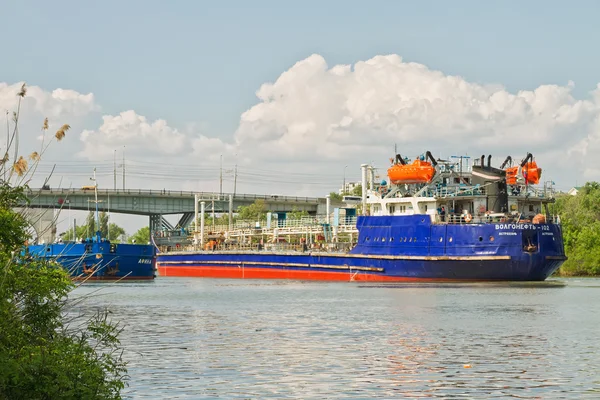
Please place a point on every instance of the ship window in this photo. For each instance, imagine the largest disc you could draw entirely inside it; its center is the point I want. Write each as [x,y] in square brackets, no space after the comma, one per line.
[88,247]
[491,238]
[392,209]
[368,238]
[441,239]
[48,249]
[481,238]
[113,248]
[415,240]
[391,239]
[410,240]
[450,240]
[383,239]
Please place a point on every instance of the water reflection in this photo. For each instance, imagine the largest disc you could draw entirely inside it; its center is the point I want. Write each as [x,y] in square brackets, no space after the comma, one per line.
[281,339]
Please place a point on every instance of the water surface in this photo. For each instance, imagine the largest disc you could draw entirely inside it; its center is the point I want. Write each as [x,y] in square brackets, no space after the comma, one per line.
[210,338]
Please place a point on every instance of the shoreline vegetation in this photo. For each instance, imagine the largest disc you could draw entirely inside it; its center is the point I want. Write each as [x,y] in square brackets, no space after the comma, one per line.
[49,348]
[580,221]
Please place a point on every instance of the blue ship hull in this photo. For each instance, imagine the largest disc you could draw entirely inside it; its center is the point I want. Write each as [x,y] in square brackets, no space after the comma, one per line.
[101,260]
[396,248]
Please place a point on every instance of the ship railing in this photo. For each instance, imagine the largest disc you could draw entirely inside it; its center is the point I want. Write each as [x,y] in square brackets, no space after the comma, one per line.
[454,191]
[279,247]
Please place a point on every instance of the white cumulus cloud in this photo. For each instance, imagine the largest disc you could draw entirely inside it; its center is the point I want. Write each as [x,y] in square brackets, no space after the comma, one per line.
[60,103]
[141,137]
[358,112]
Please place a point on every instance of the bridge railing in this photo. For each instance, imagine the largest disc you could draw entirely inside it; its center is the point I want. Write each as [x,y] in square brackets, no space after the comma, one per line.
[204,196]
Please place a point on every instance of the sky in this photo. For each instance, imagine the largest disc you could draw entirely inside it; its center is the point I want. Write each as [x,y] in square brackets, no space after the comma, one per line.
[296,96]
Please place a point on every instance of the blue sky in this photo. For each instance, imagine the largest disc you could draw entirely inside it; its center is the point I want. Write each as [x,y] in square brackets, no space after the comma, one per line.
[186,76]
[201,62]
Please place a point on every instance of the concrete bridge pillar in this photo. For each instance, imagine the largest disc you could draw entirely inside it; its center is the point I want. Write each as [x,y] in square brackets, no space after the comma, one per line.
[42,221]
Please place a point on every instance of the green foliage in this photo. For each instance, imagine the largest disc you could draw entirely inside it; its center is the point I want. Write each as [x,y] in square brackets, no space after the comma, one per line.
[254,211]
[89,229]
[297,214]
[357,191]
[335,196]
[580,219]
[46,350]
[142,236]
[41,356]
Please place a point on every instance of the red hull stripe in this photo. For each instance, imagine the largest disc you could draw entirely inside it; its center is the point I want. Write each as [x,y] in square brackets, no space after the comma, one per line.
[273,273]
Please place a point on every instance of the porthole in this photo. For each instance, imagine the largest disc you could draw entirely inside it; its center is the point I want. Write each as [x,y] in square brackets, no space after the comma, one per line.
[391,239]
[450,240]
[367,238]
[481,238]
[441,239]
[383,239]
[491,239]
[410,240]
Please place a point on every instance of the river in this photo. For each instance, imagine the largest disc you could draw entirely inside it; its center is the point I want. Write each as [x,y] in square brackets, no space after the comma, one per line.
[210,338]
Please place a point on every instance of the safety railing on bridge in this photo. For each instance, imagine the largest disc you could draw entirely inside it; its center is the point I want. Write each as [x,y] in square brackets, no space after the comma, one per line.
[203,196]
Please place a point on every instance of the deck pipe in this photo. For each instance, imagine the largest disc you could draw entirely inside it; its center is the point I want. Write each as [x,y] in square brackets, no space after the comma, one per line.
[328,207]
[195,218]
[202,224]
[230,212]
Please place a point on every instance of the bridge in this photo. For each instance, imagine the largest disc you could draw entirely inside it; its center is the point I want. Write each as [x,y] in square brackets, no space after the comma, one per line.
[156,203]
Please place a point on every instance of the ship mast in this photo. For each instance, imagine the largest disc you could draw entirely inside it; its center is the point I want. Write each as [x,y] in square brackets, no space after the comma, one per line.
[98,232]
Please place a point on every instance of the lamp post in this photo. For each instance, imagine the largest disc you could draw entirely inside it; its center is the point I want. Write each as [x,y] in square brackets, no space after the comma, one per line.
[344,187]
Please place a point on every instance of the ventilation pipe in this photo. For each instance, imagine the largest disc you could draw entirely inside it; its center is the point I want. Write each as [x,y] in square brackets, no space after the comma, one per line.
[364,188]
[327,208]
[202,224]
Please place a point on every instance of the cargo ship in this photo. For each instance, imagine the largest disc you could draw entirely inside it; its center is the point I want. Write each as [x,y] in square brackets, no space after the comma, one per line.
[96,258]
[436,220]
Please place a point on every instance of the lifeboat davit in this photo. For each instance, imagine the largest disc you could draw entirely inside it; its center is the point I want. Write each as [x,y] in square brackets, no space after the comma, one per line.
[417,172]
[530,171]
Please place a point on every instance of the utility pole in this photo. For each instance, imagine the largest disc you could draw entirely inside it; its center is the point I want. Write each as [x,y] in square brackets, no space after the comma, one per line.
[7,140]
[234,179]
[115,167]
[344,187]
[221,177]
[123,167]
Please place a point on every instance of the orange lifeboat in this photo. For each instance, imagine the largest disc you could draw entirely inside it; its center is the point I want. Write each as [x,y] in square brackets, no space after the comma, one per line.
[532,173]
[417,172]
[529,170]
[511,175]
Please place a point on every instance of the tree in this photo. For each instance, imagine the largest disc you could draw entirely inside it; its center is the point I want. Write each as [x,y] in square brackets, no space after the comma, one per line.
[297,214]
[111,231]
[335,196]
[44,355]
[254,211]
[142,236]
[357,191]
[580,220]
